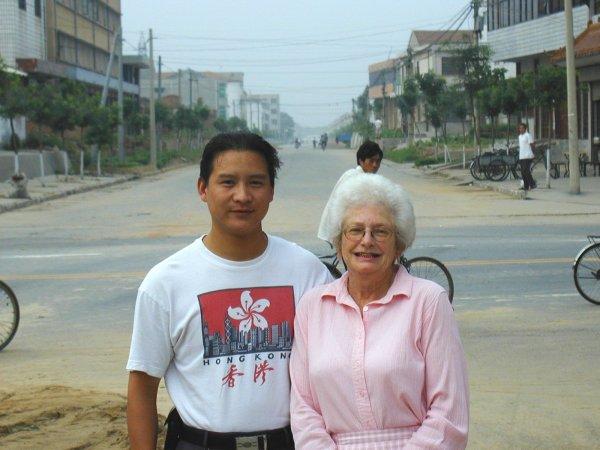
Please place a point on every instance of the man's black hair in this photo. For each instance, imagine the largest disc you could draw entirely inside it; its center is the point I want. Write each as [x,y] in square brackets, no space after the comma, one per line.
[522,124]
[243,142]
[367,150]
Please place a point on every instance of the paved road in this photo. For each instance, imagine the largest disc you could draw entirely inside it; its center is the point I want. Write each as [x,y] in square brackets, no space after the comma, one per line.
[533,344]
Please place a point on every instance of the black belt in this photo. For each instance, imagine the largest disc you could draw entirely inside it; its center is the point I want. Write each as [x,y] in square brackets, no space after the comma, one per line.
[278,439]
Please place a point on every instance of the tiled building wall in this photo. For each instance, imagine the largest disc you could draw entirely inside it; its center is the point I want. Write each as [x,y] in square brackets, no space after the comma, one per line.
[21,32]
[536,36]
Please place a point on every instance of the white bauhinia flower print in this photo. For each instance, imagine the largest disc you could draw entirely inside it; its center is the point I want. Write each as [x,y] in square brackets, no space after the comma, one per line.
[249,313]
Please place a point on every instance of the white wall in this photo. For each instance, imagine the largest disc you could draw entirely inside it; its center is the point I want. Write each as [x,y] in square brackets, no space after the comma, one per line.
[21,32]
[234,92]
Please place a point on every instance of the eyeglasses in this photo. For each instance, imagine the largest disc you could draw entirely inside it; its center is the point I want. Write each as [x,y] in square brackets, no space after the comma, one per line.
[356,234]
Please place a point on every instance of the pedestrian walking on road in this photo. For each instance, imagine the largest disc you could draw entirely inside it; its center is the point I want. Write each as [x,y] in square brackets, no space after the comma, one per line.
[377,361]
[526,147]
[215,319]
[368,160]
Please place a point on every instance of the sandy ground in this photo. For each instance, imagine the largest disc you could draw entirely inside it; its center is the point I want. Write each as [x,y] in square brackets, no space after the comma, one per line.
[58,417]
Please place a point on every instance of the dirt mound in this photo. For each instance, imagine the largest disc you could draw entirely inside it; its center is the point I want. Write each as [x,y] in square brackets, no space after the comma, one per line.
[58,417]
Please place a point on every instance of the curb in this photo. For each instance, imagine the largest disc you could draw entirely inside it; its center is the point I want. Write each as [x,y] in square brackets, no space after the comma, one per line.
[82,189]
[515,193]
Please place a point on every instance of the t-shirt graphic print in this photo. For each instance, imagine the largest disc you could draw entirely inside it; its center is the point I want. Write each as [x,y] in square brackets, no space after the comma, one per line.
[246,321]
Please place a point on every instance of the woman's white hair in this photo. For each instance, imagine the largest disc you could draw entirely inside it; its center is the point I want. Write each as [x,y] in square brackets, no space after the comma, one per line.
[370,189]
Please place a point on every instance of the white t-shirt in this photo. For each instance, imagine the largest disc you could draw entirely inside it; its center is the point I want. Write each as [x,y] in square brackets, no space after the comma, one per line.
[325,225]
[220,333]
[525,142]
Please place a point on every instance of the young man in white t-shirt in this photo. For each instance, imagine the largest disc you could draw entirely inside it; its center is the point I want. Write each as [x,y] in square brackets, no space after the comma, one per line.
[526,146]
[216,318]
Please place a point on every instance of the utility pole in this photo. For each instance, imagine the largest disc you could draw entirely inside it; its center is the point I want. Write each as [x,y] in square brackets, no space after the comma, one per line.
[152,112]
[121,129]
[179,86]
[159,132]
[574,181]
[476,4]
[190,87]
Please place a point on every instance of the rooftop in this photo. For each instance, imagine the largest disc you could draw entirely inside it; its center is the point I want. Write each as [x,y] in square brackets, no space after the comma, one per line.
[586,44]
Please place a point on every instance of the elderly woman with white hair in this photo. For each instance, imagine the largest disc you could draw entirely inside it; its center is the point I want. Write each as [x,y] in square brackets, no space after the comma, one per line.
[377,361]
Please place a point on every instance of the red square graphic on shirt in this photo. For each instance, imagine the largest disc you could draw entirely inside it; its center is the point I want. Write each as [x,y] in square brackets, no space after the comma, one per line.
[247,320]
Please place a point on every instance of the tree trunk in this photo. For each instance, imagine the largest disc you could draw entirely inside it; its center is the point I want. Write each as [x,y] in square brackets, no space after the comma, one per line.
[13,135]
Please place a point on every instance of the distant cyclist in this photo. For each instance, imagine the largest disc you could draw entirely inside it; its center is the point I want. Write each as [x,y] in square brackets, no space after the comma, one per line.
[323,141]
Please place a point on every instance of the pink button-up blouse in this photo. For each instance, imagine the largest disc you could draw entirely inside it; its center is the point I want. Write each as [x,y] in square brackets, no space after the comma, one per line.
[392,378]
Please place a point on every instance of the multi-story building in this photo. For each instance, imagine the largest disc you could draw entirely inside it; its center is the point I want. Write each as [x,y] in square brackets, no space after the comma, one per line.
[221,92]
[184,87]
[427,51]
[382,91]
[69,39]
[230,92]
[529,33]
[262,112]
[432,51]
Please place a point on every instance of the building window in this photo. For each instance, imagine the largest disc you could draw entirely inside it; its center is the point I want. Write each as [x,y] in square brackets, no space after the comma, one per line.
[23,5]
[451,66]
[38,8]
[85,56]
[66,49]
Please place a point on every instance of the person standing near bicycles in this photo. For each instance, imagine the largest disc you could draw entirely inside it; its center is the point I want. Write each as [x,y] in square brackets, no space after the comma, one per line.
[377,360]
[368,160]
[216,318]
[526,147]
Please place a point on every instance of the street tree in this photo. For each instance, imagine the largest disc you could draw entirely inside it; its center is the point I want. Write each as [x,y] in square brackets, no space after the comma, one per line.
[458,107]
[433,88]
[236,124]
[476,71]
[407,102]
[550,91]
[288,127]
[510,103]
[103,126]
[13,104]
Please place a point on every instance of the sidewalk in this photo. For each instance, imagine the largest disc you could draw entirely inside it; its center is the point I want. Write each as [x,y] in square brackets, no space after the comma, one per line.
[57,186]
[557,193]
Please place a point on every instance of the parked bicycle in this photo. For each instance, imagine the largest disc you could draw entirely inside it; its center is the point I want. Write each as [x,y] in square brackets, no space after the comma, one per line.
[420,266]
[498,164]
[9,314]
[586,271]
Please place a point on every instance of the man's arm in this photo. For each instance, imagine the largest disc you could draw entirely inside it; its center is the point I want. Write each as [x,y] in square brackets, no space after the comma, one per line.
[142,417]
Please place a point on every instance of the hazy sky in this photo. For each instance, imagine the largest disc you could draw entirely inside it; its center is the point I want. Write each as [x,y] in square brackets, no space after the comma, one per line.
[314,53]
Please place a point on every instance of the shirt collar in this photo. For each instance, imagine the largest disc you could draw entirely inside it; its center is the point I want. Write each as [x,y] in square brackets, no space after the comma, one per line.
[401,288]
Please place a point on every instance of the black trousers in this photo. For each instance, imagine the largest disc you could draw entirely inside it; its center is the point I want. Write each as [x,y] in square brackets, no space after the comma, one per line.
[528,181]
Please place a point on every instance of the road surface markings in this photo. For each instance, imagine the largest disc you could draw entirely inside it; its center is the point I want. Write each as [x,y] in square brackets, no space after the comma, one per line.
[56,255]
[140,275]
[516,262]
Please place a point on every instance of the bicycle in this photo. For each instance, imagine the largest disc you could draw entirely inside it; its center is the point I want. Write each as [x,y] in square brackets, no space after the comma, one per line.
[420,266]
[9,315]
[586,271]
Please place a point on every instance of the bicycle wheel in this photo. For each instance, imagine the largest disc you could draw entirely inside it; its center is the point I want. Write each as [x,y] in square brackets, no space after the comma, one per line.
[586,273]
[9,315]
[475,170]
[433,270]
[497,170]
